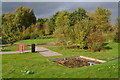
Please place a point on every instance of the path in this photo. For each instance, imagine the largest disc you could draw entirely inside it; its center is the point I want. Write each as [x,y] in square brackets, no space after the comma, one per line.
[43,51]
[40,49]
[13,52]
[46,52]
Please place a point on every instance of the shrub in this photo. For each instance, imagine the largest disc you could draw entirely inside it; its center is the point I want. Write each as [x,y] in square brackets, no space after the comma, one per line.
[95,41]
[47,29]
[81,31]
[62,35]
[59,36]
[33,35]
[25,34]
[117,37]
[37,34]
[80,42]
[40,34]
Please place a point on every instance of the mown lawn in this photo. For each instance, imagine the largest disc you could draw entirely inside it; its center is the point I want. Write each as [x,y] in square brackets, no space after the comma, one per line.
[13,48]
[17,66]
[110,52]
[27,44]
[34,65]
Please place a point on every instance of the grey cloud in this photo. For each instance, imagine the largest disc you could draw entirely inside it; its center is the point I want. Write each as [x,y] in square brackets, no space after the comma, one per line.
[47,9]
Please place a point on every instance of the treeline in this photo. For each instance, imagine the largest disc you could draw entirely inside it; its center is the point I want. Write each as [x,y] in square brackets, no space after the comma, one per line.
[79,28]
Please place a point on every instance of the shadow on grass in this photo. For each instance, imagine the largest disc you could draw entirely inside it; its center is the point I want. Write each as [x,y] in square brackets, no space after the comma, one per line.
[28,53]
[106,47]
[105,44]
[5,50]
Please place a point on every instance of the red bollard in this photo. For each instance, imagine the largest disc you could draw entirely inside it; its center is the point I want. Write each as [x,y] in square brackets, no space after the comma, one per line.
[21,48]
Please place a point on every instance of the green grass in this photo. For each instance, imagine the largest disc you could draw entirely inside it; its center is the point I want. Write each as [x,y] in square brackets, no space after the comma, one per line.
[14,66]
[107,54]
[35,41]
[13,48]
[27,44]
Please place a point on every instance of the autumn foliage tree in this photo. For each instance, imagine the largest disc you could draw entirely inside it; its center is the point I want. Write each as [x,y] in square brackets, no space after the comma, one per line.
[95,41]
[13,23]
[101,18]
[24,16]
[77,16]
[61,29]
[78,28]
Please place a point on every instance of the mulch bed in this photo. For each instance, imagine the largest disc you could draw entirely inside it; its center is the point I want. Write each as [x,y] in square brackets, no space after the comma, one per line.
[75,62]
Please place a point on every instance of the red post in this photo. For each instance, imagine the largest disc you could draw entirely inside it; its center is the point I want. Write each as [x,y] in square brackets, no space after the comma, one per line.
[21,48]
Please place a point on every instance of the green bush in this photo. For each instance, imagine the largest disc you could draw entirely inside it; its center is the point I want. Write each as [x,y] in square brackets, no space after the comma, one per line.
[40,34]
[95,41]
[33,35]
[81,31]
[25,34]
[64,36]
[117,37]
[80,42]
[37,34]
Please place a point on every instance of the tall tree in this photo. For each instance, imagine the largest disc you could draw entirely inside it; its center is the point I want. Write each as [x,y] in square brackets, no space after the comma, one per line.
[13,23]
[76,16]
[42,20]
[101,18]
[61,19]
[24,16]
[62,28]
[52,21]
[8,28]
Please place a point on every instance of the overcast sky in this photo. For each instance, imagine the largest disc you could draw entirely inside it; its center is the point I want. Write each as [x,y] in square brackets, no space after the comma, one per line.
[47,9]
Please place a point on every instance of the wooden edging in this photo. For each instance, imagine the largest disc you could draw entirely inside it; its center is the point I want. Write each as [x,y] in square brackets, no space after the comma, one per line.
[97,60]
[93,59]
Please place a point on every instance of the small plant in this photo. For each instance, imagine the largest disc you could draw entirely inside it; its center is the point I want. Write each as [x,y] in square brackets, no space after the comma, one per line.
[95,41]
[27,71]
